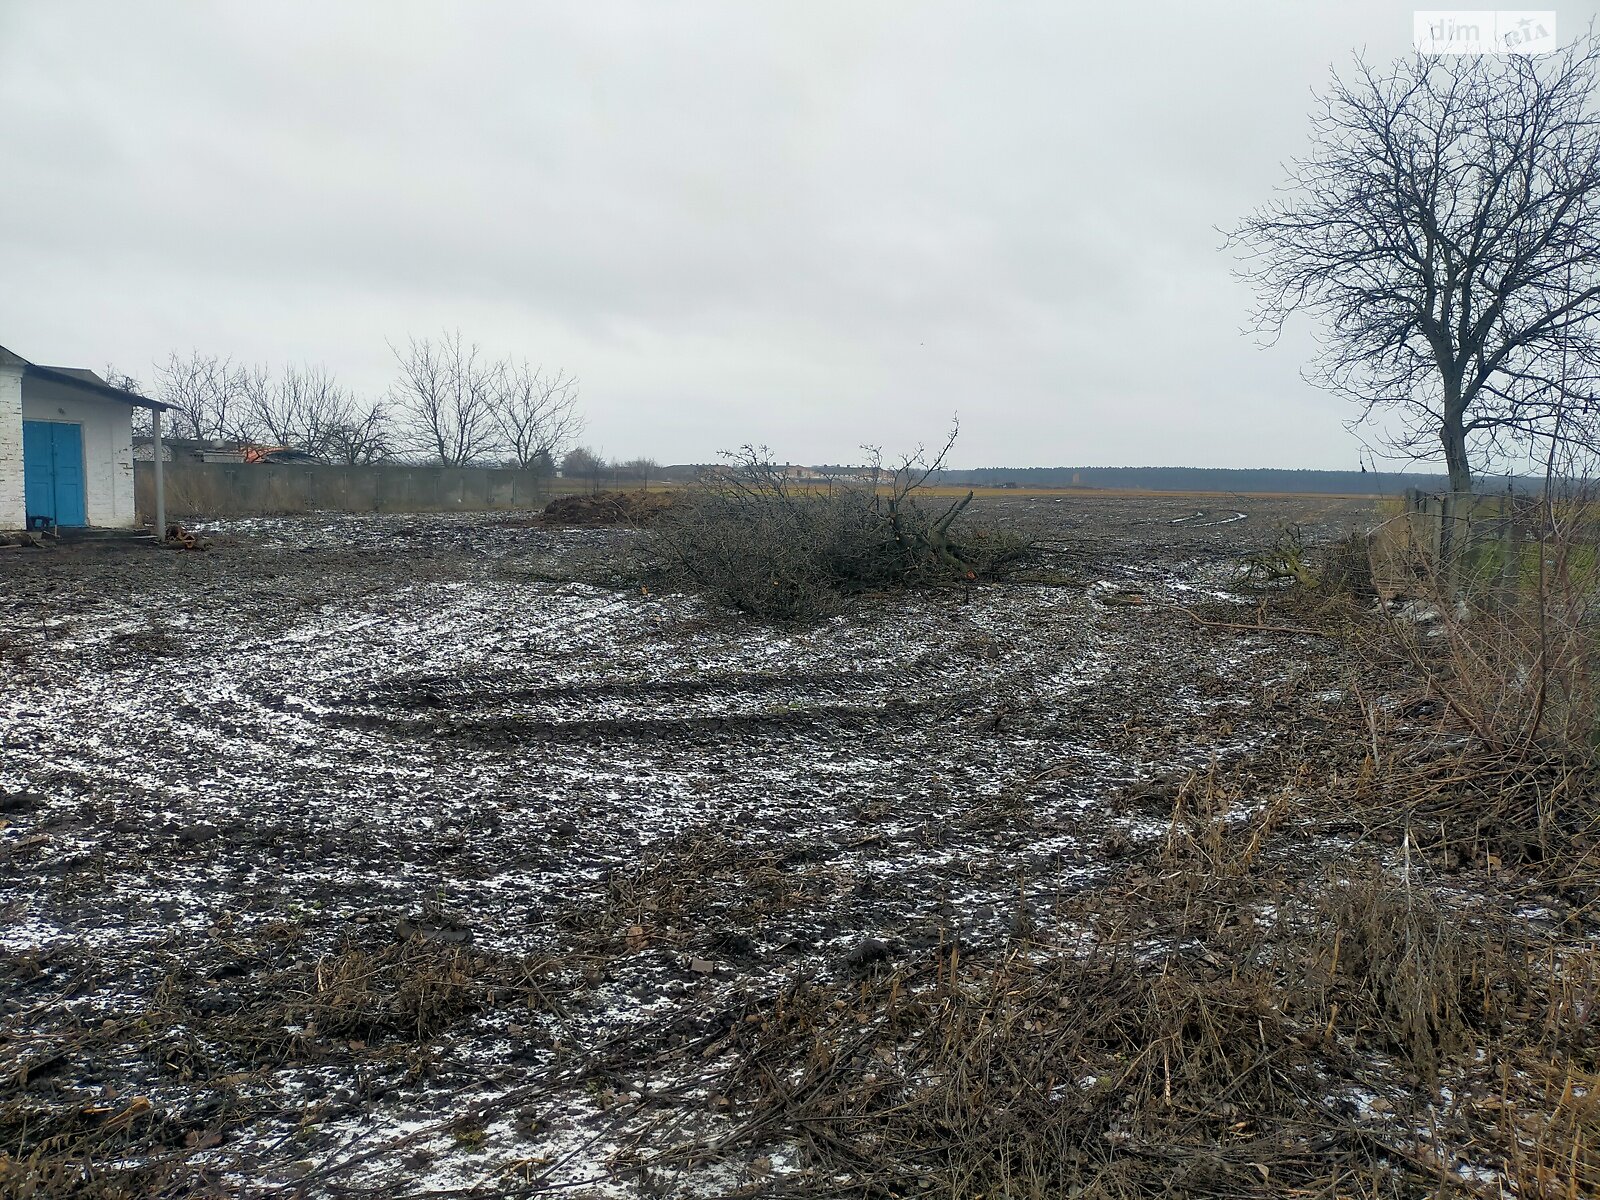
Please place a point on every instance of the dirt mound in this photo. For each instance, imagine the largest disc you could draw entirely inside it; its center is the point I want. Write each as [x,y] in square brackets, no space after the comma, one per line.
[608,508]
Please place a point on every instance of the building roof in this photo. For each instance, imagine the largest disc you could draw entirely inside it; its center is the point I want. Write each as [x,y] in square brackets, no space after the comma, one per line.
[80,377]
[83,373]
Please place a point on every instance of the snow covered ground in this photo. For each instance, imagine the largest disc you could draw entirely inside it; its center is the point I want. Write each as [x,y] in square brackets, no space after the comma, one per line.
[331,734]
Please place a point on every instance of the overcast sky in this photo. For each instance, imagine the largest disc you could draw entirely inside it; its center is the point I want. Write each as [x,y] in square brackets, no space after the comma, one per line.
[806,224]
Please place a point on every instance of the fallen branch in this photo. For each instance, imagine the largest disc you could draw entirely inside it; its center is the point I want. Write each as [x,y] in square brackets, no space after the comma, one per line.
[1292,630]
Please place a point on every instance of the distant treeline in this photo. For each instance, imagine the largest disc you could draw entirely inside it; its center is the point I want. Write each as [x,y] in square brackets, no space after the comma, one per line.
[1208,479]
[1178,479]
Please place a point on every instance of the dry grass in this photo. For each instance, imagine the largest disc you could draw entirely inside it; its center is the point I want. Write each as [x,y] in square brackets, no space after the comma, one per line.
[1225,1069]
[1217,1022]
[264,1001]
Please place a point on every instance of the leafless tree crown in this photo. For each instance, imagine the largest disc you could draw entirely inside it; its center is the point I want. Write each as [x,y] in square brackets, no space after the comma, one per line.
[451,404]
[447,389]
[537,414]
[301,408]
[208,395]
[1445,229]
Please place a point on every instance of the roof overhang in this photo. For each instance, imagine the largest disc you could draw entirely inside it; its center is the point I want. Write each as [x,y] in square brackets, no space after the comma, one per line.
[104,390]
[86,381]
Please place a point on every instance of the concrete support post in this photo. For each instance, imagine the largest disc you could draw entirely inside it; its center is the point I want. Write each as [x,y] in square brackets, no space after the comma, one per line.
[158,454]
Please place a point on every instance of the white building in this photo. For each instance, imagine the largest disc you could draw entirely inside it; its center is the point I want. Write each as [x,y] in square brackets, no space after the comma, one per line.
[66,447]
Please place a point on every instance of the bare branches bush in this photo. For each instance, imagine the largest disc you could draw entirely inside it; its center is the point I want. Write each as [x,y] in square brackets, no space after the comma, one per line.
[759,539]
[1338,569]
[1505,633]
[1502,635]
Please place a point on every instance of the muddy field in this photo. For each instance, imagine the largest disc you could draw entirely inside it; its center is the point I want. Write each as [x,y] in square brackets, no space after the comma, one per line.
[386,856]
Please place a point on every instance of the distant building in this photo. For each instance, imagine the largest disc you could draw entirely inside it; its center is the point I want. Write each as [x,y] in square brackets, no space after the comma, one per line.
[188,450]
[218,451]
[66,447]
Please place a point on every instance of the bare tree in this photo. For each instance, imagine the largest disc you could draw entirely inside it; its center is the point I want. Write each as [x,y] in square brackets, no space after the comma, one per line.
[118,378]
[303,408]
[446,393]
[639,470]
[582,463]
[536,413]
[254,390]
[207,395]
[1446,228]
[365,436]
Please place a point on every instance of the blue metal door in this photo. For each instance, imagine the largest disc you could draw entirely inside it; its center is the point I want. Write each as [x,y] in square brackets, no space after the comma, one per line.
[52,471]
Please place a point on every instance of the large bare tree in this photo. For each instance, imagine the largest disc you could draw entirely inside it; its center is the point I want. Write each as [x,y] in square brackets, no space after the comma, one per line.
[208,395]
[537,414]
[1445,228]
[447,392]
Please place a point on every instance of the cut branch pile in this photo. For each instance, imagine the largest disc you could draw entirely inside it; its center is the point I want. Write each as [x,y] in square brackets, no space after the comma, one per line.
[758,539]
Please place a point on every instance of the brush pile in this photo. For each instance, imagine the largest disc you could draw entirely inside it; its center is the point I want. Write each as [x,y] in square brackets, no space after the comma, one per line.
[757,540]
[636,508]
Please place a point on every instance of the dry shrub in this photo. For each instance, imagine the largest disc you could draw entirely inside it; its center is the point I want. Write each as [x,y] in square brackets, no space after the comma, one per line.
[1363,952]
[1552,1144]
[1502,623]
[1530,812]
[1500,627]
[1386,963]
[119,1150]
[273,1003]
[1342,568]
[1049,1076]
[1215,832]
[412,990]
[760,542]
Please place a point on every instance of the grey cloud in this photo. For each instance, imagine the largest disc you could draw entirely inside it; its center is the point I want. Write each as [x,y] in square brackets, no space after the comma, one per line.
[812,225]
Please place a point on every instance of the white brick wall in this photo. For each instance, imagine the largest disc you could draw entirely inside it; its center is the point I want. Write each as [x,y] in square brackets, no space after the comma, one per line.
[12,515]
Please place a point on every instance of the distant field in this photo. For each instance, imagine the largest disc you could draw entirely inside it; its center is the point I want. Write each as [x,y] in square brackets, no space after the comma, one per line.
[1087,493]
[1146,493]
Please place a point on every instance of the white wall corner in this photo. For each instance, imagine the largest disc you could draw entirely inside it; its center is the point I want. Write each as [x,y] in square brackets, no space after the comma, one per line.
[13,513]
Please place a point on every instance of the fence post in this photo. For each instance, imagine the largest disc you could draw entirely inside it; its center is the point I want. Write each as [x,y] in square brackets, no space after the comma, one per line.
[1455,512]
[1511,551]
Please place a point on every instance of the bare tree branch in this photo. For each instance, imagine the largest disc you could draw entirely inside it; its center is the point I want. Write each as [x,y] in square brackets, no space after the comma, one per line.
[207,395]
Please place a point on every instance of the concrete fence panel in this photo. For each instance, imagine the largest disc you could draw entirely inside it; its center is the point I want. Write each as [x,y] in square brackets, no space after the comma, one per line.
[206,490]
